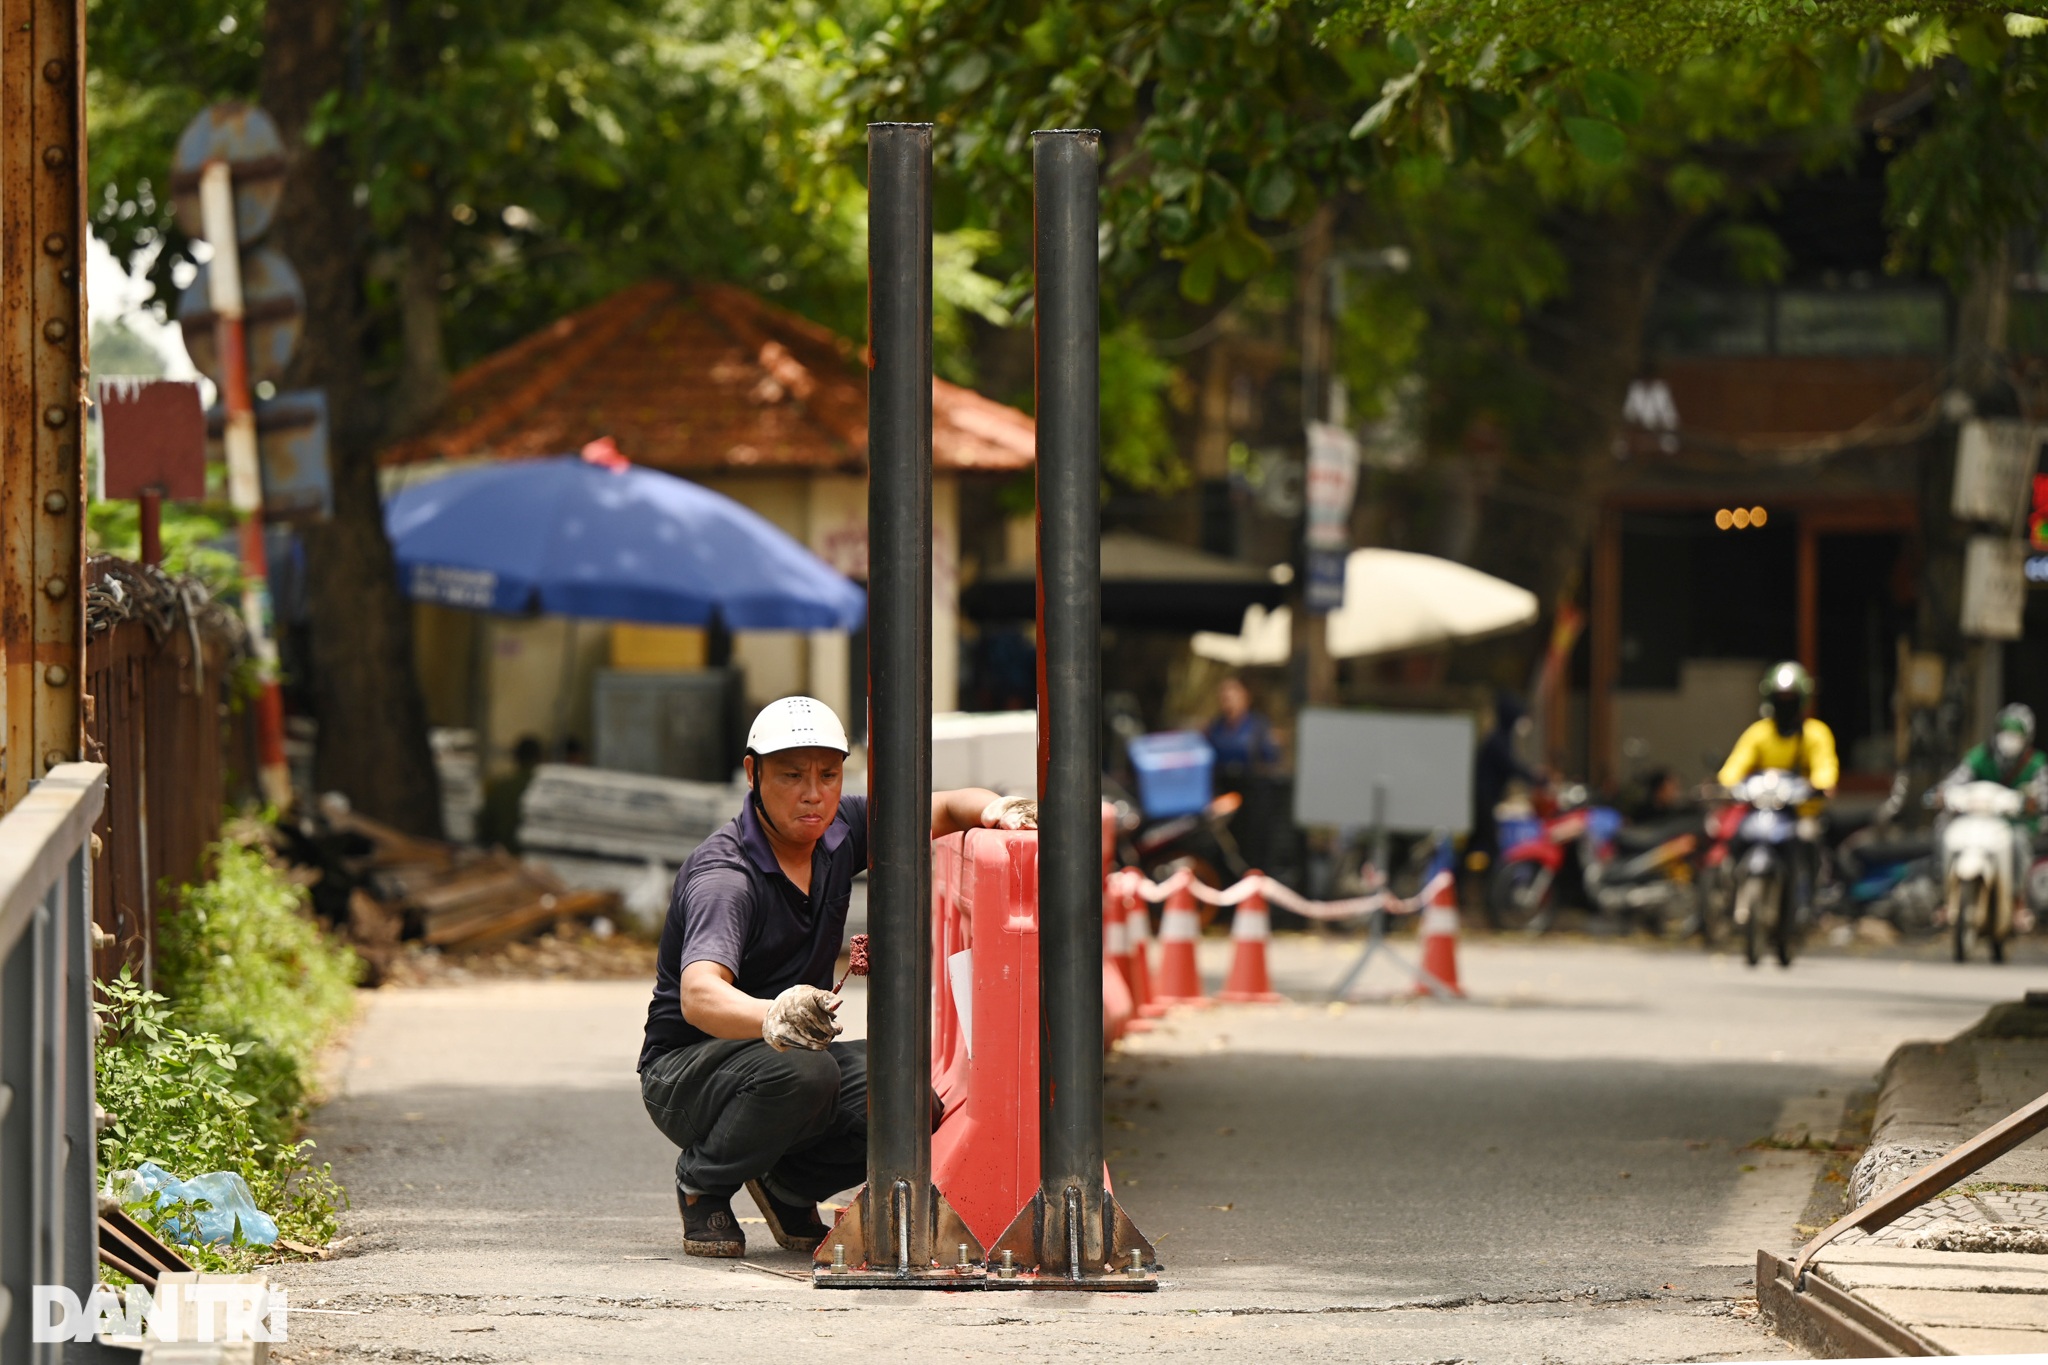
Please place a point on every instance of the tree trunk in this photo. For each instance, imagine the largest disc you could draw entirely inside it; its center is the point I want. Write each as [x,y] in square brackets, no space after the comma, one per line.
[423,381]
[1586,348]
[372,740]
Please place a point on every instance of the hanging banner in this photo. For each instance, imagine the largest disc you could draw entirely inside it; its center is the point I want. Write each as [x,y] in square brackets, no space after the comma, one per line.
[1332,484]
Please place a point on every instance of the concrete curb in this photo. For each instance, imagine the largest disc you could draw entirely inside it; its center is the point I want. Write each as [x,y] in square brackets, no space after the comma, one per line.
[1932,1096]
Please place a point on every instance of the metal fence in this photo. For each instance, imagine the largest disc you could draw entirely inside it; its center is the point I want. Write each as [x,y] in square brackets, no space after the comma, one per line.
[159,661]
[48,1217]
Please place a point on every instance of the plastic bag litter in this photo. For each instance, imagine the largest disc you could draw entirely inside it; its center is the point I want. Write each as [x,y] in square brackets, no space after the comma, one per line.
[226,1193]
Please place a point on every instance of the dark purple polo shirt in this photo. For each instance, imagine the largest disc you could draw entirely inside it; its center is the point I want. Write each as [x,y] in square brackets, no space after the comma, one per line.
[733,905]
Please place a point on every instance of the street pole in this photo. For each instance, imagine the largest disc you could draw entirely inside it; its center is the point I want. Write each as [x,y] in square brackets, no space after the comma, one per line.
[893,1234]
[1071,1234]
[245,476]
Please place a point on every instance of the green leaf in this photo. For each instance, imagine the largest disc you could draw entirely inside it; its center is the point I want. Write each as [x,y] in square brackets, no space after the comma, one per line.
[1597,140]
[1614,96]
[1383,109]
[1272,191]
[968,73]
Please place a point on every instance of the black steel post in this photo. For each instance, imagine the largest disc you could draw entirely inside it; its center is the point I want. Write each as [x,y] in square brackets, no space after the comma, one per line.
[1071,1235]
[899,693]
[1064,172]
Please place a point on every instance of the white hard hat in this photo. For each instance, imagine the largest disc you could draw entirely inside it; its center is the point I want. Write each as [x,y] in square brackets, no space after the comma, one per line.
[796,723]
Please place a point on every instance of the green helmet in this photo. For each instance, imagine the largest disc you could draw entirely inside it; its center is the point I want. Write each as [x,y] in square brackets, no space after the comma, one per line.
[1787,681]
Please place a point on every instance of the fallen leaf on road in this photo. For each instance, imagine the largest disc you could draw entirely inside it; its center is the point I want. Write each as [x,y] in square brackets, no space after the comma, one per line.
[472,1329]
[1624,1175]
[1224,1208]
[1225,1132]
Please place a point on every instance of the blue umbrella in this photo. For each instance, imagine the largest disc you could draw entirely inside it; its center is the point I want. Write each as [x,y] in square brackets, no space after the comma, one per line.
[602,538]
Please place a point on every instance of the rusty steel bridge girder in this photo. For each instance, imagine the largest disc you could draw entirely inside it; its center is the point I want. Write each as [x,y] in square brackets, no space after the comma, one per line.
[42,460]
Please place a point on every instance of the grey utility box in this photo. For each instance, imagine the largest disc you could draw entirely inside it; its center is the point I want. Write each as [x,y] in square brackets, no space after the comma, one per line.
[668,724]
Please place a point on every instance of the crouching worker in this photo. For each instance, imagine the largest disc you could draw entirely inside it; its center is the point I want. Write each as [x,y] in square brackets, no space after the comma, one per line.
[743,1068]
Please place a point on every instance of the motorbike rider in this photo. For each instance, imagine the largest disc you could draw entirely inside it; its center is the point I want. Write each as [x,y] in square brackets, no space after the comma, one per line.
[1786,739]
[2010,759]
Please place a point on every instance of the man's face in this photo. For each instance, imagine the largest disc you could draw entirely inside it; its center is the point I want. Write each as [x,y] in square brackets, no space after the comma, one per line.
[1233,700]
[800,790]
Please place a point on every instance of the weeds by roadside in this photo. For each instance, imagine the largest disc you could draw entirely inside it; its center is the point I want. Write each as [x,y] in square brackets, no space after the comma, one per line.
[213,1075]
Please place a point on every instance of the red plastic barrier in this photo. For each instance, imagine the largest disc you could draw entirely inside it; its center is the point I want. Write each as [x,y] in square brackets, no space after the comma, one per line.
[985,1154]
[985,1026]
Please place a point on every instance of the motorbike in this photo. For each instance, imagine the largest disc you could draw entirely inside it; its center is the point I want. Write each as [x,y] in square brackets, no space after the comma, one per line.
[1769,834]
[1979,849]
[1201,840]
[1546,857]
[1651,878]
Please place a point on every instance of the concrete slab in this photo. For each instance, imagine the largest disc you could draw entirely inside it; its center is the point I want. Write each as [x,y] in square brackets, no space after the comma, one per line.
[1989,1341]
[1937,1308]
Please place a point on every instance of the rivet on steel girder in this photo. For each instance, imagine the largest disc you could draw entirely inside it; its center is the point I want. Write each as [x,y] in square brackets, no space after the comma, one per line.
[56,244]
[55,331]
[54,416]
[56,675]
[54,70]
[56,504]
[54,758]
[56,158]
[56,588]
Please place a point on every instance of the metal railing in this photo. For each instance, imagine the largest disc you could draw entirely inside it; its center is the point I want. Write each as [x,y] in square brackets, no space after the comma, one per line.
[48,1213]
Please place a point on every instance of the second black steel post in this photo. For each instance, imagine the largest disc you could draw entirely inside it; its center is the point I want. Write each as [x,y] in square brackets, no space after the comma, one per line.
[1072,1234]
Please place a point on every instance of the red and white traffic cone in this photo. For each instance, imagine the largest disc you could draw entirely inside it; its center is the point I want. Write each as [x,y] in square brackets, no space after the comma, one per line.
[1180,980]
[1440,934]
[1251,928]
[1138,927]
[1116,930]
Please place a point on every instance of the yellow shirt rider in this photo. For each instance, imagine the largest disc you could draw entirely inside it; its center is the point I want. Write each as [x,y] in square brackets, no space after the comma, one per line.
[1786,739]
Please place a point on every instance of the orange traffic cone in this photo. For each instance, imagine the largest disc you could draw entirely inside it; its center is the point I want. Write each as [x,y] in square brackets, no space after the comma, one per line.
[1138,926]
[1180,980]
[1440,927]
[1250,929]
[1119,895]
[1116,930]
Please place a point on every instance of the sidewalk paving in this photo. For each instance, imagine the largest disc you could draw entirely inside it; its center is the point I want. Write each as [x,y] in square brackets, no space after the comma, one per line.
[1966,1273]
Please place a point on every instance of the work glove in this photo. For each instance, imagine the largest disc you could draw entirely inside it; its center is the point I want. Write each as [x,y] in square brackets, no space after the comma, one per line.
[1010,812]
[800,1017]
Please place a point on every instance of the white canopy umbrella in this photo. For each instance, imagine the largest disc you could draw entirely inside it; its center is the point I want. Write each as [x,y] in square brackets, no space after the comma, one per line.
[1395,600]
[1267,638]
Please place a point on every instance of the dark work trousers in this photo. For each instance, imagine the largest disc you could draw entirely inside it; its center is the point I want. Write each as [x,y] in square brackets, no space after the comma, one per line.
[741,1110]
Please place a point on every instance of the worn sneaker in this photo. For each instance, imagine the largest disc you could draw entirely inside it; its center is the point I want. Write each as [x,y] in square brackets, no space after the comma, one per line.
[797,1227]
[709,1229]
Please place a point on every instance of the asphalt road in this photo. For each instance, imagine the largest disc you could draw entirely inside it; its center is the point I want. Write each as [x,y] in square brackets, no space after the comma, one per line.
[1564,1169]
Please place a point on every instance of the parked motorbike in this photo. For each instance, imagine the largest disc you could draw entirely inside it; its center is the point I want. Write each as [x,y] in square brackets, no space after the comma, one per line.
[1650,880]
[1764,911]
[1548,859]
[1201,841]
[1714,874]
[1979,850]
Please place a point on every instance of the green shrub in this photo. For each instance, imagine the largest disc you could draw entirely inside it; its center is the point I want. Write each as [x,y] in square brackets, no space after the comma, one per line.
[174,1097]
[242,957]
[213,1075]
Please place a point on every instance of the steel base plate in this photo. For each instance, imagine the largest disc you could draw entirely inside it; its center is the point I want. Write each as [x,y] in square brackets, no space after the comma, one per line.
[867,1277]
[1121,1283]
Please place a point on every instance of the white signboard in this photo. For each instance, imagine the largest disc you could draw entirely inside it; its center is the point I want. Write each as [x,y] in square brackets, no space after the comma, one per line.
[1995,458]
[1994,588]
[1421,761]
